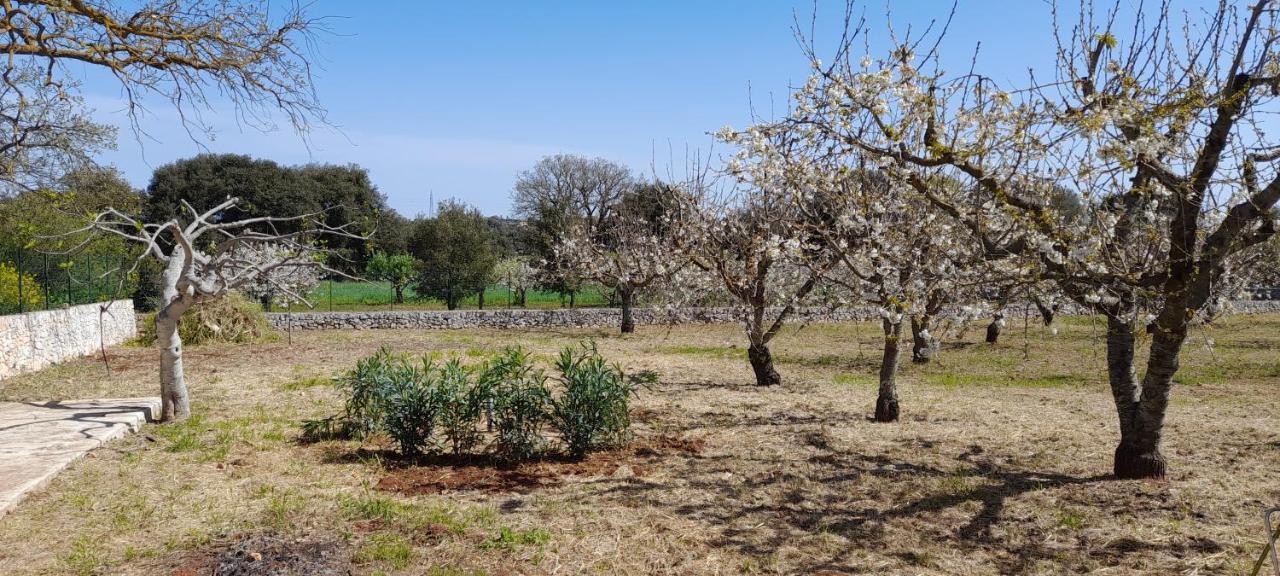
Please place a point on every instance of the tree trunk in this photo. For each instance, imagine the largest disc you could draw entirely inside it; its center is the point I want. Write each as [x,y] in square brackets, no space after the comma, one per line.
[524,292]
[628,300]
[572,296]
[399,294]
[480,299]
[762,364]
[923,344]
[887,399]
[993,329]
[1046,312]
[1138,454]
[175,403]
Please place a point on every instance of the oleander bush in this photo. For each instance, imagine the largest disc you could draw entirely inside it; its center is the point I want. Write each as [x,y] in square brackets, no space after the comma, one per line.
[592,411]
[505,404]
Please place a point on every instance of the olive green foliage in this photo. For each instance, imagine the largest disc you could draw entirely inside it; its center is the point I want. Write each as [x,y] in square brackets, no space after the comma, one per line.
[229,319]
[592,410]
[396,270]
[519,400]
[425,407]
[457,250]
[344,194]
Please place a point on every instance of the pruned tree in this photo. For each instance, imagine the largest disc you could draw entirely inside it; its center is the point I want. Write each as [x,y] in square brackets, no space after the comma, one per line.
[204,257]
[630,250]
[1157,131]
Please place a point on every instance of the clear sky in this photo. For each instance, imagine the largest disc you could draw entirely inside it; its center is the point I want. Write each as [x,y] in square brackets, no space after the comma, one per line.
[455,98]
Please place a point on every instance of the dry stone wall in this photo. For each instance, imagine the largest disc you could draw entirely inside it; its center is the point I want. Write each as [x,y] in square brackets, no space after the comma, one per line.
[35,340]
[595,317]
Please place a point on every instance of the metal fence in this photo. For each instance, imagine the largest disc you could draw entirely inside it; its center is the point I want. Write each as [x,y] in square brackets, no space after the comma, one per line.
[31,280]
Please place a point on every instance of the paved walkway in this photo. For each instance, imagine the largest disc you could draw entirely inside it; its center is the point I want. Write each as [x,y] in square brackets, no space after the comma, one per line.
[38,440]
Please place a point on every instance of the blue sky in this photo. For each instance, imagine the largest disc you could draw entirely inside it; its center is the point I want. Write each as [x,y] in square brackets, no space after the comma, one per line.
[455,98]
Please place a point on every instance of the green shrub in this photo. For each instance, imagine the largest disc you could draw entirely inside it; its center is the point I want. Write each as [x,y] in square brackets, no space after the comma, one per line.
[460,404]
[410,406]
[10,299]
[518,404]
[592,412]
[365,387]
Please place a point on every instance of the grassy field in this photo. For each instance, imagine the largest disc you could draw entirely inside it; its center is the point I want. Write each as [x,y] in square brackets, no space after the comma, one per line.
[361,296]
[999,465]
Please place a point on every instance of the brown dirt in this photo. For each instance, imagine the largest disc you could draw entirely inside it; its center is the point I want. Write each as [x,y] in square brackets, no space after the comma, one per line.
[267,555]
[445,474]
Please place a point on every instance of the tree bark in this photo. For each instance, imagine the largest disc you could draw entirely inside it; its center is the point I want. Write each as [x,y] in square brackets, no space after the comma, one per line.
[399,293]
[762,363]
[1046,312]
[923,344]
[572,296]
[480,299]
[628,300]
[175,403]
[993,329]
[887,399]
[1138,455]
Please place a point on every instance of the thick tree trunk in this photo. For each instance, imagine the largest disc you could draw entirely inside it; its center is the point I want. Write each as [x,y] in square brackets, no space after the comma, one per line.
[887,399]
[762,363]
[175,403]
[628,322]
[399,294]
[923,344]
[993,329]
[1138,454]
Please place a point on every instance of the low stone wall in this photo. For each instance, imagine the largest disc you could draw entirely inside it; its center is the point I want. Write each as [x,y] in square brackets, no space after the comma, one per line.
[35,340]
[595,317]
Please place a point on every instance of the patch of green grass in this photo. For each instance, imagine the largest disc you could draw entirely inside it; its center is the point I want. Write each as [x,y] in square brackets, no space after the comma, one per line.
[409,517]
[1071,519]
[386,548]
[959,380]
[86,557]
[855,380]
[353,296]
[305,383]
[509,539]
[709,351]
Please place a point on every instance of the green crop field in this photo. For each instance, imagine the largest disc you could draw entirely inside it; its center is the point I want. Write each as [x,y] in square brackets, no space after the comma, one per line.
[361,296]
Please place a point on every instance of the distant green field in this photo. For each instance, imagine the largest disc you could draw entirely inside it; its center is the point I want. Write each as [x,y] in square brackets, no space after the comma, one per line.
[358,296]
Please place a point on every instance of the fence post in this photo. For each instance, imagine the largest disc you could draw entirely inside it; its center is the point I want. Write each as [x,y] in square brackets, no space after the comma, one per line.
[46,281]
[22,305]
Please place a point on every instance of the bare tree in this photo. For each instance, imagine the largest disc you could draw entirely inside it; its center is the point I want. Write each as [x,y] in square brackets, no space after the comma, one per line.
[205,258]
[184,52]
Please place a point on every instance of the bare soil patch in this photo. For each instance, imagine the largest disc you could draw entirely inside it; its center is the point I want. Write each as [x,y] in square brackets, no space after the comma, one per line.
[440,474]
[268,555]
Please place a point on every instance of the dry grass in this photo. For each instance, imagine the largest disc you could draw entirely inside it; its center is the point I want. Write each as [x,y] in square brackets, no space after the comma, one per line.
[997,467]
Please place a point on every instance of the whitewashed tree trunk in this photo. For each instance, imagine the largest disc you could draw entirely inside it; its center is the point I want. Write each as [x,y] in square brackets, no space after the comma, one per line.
[175,402]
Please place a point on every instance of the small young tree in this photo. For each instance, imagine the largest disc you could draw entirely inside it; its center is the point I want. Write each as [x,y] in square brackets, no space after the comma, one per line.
[457,252]
[517,275]
[206,257]
[630,250]
[397,270]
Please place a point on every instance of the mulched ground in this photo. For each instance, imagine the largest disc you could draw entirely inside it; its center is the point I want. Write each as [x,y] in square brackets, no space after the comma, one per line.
[478,474]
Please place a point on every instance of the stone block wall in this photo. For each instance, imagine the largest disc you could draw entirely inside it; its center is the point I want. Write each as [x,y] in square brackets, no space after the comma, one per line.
[598,317]
[35,340]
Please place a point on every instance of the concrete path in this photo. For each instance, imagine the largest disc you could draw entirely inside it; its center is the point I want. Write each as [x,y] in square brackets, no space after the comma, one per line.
[38,440]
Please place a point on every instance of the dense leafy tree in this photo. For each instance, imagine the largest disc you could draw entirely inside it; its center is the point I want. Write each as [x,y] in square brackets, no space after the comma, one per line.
[456,251]
[344,194]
